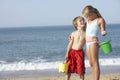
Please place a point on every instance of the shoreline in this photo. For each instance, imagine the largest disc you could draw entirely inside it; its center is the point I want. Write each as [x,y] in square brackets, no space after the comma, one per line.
[110,76]
[53,73]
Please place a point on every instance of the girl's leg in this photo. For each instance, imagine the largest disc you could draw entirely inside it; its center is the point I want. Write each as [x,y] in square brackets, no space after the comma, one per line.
[89,56]
[94,62]
[68,75]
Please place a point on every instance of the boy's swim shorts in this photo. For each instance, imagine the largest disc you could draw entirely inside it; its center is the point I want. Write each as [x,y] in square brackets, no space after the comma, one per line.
[76,62]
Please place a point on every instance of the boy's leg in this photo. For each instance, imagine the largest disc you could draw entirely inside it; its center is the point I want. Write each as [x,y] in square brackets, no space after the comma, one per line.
[68,75]
[82,77]
[80,67]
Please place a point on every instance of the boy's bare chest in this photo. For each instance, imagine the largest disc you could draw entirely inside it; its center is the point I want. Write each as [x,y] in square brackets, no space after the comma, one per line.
[79,37]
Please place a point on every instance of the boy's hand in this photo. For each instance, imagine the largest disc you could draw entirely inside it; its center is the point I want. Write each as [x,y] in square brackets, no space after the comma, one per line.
[66,56]
[103,33]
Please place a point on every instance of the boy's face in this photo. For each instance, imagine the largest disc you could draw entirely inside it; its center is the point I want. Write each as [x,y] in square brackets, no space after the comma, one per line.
[80,23]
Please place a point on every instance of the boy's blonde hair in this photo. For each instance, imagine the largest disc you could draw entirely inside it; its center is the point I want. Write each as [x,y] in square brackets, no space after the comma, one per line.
[75,21]
[90,9]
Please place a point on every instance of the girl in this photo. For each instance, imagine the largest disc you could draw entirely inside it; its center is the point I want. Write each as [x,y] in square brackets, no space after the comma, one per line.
[95,22]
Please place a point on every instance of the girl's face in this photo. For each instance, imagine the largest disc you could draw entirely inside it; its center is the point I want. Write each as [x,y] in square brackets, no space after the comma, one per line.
[91,16]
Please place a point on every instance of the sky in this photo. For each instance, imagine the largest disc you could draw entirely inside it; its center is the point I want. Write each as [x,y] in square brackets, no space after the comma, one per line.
[25,13]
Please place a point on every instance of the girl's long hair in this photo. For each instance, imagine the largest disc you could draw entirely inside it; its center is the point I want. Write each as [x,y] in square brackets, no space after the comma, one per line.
[90,9]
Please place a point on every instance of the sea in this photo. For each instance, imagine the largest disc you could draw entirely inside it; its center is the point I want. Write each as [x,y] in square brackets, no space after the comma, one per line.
[44,47]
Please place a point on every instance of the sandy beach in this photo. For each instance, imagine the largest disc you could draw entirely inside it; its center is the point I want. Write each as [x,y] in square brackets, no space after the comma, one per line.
[114,76]
[107,73]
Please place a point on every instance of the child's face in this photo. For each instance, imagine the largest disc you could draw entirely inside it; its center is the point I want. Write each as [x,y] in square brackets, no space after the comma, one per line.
[91,16]
[80,23]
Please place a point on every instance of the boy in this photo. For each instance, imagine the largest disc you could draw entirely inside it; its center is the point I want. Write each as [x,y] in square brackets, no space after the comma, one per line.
[75,54]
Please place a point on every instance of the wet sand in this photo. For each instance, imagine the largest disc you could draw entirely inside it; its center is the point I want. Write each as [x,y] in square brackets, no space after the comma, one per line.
[107,73]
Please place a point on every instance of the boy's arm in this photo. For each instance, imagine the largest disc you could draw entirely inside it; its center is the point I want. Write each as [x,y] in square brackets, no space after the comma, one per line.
[69,45]
[102,26]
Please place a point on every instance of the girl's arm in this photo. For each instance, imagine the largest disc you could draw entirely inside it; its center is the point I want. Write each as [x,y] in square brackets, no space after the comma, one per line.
[69,45]
[102,25]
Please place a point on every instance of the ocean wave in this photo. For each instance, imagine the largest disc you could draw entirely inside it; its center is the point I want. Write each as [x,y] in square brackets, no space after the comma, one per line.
[17,66]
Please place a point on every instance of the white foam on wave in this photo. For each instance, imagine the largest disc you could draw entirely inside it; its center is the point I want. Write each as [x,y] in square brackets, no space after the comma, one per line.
[17,66]
[28,66]
[106,62]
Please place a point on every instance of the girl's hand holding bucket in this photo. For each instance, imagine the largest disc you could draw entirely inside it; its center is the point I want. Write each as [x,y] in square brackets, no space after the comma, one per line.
[103,33]
[106,47]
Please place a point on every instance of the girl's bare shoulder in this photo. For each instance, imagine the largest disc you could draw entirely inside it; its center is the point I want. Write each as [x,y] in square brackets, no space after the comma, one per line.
[101,19]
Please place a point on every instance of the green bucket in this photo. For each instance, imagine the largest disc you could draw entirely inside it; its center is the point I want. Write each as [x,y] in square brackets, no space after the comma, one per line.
[106,47]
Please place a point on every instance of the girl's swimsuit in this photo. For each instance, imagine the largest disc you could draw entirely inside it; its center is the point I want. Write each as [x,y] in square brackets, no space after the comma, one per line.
[92,30]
